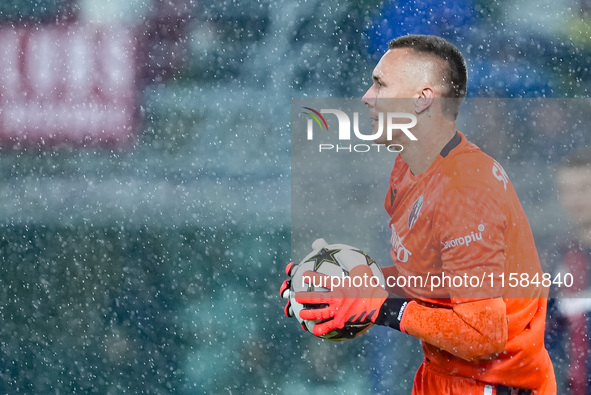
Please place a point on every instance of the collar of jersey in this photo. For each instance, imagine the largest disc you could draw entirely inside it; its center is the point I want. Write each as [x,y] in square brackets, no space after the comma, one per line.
[453,143]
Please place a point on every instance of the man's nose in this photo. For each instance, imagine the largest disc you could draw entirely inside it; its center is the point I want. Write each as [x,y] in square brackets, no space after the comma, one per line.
[369,99]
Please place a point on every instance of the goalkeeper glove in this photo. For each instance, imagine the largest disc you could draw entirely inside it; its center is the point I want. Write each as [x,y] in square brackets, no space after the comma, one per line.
[285,291]
[344,303]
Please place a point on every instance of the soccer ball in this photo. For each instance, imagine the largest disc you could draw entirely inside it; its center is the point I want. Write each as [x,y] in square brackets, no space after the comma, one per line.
[334,260]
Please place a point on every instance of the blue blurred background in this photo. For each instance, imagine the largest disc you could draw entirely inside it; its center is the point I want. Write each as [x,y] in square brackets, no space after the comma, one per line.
[155,268]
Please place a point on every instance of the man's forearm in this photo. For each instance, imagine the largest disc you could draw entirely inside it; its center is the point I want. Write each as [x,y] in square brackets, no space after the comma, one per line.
[473,331]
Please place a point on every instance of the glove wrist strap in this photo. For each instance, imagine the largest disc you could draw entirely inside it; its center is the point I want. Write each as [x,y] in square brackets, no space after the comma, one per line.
[391,312]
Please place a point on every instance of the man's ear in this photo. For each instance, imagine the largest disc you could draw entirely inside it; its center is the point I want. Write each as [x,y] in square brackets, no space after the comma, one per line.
[424,100]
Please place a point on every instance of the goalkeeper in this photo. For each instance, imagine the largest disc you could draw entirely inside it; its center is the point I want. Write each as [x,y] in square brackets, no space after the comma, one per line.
[453,211]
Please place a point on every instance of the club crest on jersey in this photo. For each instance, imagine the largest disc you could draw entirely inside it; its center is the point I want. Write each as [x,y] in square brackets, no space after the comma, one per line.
[415,211]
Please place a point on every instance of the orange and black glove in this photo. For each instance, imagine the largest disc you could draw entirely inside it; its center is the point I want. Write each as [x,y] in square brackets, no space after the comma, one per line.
[357,301]
[285,290]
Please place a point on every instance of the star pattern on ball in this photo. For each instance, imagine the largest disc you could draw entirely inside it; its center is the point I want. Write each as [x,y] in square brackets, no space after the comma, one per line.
[324,255]
[368,259]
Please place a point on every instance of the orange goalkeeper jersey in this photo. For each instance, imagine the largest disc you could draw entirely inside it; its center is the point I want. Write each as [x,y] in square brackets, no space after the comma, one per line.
[459,234]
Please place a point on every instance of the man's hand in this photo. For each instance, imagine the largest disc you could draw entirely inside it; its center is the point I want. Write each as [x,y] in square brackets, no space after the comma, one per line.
[343,304]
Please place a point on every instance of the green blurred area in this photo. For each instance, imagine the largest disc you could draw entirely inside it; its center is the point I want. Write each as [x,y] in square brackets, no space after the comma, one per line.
[156,269]
[93,309]
[35,11]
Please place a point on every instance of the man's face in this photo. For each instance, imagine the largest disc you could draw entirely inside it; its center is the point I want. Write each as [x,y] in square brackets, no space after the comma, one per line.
[575,194]
[398,75]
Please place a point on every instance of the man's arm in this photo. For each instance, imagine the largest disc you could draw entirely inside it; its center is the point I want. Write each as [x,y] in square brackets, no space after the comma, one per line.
[474,331]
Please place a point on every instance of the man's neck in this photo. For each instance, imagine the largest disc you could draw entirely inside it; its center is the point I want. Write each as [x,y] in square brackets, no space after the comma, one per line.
[420,155]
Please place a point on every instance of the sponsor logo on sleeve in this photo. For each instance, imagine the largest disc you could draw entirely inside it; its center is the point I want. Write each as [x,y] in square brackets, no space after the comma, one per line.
[465,240]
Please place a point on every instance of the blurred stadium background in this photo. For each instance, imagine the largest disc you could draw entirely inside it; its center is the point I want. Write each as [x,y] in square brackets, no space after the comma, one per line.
[145,179]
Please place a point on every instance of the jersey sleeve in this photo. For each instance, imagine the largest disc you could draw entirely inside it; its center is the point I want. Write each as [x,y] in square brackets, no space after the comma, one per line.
[474,331]
[469,226]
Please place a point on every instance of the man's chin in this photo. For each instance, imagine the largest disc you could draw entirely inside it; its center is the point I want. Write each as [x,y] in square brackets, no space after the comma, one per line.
[383,141]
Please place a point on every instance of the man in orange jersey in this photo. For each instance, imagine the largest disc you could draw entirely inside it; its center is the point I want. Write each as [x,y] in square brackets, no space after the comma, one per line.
[455,218]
